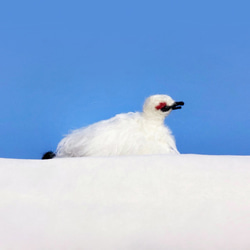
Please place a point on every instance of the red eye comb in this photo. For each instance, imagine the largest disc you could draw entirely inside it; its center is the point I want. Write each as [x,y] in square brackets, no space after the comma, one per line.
[161,105]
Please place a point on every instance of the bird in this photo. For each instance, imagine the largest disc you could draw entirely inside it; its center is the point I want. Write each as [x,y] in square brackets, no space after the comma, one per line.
[133,133]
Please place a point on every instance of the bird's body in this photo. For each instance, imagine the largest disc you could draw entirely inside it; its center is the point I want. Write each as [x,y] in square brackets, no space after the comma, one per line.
[125,134]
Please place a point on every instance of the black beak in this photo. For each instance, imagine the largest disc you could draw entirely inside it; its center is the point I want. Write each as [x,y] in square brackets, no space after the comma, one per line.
[176,105]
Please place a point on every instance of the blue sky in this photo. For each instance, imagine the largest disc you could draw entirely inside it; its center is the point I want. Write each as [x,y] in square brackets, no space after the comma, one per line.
[67,64]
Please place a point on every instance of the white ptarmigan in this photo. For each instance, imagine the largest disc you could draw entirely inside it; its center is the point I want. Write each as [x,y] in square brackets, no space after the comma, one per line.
[138,133]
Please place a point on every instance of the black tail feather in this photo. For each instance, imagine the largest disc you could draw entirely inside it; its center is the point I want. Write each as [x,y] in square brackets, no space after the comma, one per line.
[48,155]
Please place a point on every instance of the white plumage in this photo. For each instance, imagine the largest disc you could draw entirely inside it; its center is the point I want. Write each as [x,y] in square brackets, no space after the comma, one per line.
[137,133]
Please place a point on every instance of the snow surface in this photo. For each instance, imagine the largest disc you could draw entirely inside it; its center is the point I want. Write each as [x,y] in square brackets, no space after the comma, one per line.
[140,202]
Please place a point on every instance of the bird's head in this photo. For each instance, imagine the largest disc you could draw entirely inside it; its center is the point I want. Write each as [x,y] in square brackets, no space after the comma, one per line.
[160,106]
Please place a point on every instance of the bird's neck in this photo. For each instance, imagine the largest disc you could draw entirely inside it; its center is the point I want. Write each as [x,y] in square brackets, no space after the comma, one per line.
[153,119]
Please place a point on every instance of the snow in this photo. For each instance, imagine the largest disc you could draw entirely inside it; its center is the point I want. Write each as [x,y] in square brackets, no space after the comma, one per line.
[127,202]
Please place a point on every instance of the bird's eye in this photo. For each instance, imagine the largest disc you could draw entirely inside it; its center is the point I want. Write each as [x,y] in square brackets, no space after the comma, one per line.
[161,105]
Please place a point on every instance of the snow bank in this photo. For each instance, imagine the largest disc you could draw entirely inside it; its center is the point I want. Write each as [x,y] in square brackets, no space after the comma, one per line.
[141,202]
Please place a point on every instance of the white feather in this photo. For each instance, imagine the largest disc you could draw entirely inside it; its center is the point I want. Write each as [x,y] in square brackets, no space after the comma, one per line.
[125,134]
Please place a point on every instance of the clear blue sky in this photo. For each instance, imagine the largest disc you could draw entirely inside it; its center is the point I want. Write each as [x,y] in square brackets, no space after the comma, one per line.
[67,64]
